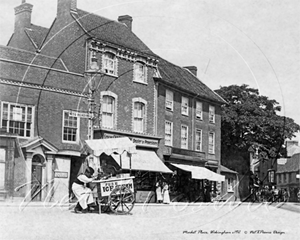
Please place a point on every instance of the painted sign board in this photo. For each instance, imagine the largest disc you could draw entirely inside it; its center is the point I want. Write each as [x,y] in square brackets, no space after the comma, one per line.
[58,174]
[107,186]
[136,140]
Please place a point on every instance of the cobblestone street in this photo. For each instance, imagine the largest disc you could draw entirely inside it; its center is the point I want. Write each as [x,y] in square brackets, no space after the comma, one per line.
[195,221]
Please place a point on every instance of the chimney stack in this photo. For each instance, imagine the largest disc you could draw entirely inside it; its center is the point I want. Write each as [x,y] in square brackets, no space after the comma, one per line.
[192,69]
[127,20]
[65,6]
[23,16]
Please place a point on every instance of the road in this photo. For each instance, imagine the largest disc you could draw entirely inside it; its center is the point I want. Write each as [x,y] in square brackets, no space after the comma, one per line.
[193,221]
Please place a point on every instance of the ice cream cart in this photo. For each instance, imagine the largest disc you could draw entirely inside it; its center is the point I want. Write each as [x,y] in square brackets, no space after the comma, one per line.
[116,193]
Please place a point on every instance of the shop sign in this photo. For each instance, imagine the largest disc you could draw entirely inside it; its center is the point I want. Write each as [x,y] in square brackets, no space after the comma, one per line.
[136,140]
[80,114]
[107,187]
[60,174]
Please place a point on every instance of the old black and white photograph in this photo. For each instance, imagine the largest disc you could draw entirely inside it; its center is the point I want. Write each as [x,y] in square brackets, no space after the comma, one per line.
[149,119]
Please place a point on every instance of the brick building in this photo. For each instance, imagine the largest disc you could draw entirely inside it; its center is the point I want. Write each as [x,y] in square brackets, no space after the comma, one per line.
[86,66]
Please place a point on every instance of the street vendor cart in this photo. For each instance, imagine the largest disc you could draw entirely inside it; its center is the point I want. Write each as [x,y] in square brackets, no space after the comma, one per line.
[113,192]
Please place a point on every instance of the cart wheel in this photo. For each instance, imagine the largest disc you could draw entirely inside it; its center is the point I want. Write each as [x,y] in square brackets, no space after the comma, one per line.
[121,200]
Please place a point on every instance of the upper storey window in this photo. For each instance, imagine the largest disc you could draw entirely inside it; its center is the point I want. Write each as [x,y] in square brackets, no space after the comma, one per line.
[109,63]
[199,112]
[169,100]
[212,115]
[139,115]
[184,106]
[108,111]
[140,72]
[17,118]
[70,127]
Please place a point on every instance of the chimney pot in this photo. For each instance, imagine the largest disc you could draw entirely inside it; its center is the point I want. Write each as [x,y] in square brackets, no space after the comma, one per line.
[65,6]
[192,69]
[23,16]
[127,20]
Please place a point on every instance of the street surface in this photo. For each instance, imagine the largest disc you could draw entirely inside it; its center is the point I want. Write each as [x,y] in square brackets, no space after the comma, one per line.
[195,221]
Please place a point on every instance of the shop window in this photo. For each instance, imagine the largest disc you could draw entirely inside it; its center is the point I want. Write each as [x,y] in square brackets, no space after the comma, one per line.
[212,114]
[169,100]
[168,133]
[199,112]
[2,167]
[108,111]
[211,143]
[70,127]
[139,115]
[229,184]
[17,118]
[109,63]
[140,72]
[184,106]
[198,140]
[184,136]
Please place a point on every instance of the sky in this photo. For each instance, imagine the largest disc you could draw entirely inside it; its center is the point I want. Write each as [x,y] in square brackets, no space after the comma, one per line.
[253,42]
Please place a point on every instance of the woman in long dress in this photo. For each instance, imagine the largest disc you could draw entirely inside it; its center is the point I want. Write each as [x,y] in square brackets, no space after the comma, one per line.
[166,195]
[159,197]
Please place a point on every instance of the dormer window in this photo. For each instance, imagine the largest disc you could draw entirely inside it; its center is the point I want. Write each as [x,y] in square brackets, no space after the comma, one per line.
[109,63]
[140,72]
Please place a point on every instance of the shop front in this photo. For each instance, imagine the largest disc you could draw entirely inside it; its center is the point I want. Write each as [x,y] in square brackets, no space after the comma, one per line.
[143,164]
[195,183]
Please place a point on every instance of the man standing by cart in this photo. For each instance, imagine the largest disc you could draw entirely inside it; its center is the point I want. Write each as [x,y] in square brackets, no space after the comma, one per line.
[82,192]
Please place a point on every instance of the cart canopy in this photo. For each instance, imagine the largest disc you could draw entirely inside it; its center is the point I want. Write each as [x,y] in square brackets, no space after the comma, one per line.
[109,146]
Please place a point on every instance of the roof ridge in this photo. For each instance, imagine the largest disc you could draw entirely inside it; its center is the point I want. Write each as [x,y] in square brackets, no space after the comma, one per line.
[26,51]
[88,13]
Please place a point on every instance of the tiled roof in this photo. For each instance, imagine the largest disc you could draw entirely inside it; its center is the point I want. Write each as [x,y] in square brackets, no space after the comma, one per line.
[184,79]
[37,34]
[110,31]
[292,164]
[23,56]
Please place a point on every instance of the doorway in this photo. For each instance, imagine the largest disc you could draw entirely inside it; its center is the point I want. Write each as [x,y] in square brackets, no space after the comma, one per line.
[36,177]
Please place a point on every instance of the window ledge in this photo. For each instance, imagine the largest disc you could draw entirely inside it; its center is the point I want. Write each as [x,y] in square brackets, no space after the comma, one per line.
[230,191]
[110,74]
[144,83]
[185,114]
[69,142]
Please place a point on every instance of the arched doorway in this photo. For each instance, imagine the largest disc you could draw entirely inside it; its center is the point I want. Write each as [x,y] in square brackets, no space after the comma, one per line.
[37,177]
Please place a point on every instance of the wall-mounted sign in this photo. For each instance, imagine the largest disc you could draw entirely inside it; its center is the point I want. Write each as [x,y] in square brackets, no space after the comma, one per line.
[60,174]
[138,141]
[80,114]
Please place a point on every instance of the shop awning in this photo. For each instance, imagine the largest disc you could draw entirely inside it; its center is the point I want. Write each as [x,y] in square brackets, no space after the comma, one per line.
[143,160]
[201,172]
[109,146]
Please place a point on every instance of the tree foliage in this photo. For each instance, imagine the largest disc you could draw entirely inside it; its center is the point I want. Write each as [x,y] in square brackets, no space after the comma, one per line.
[250,120]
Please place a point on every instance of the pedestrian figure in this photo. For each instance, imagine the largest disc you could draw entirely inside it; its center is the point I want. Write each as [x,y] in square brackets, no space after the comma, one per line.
[166,195]
[207,190]
[159,197]
[82,192]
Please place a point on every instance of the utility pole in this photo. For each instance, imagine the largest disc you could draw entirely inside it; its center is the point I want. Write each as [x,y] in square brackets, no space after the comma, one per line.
[91,103]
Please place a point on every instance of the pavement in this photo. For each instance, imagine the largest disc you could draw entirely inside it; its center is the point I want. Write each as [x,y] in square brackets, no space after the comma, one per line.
[233,220]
